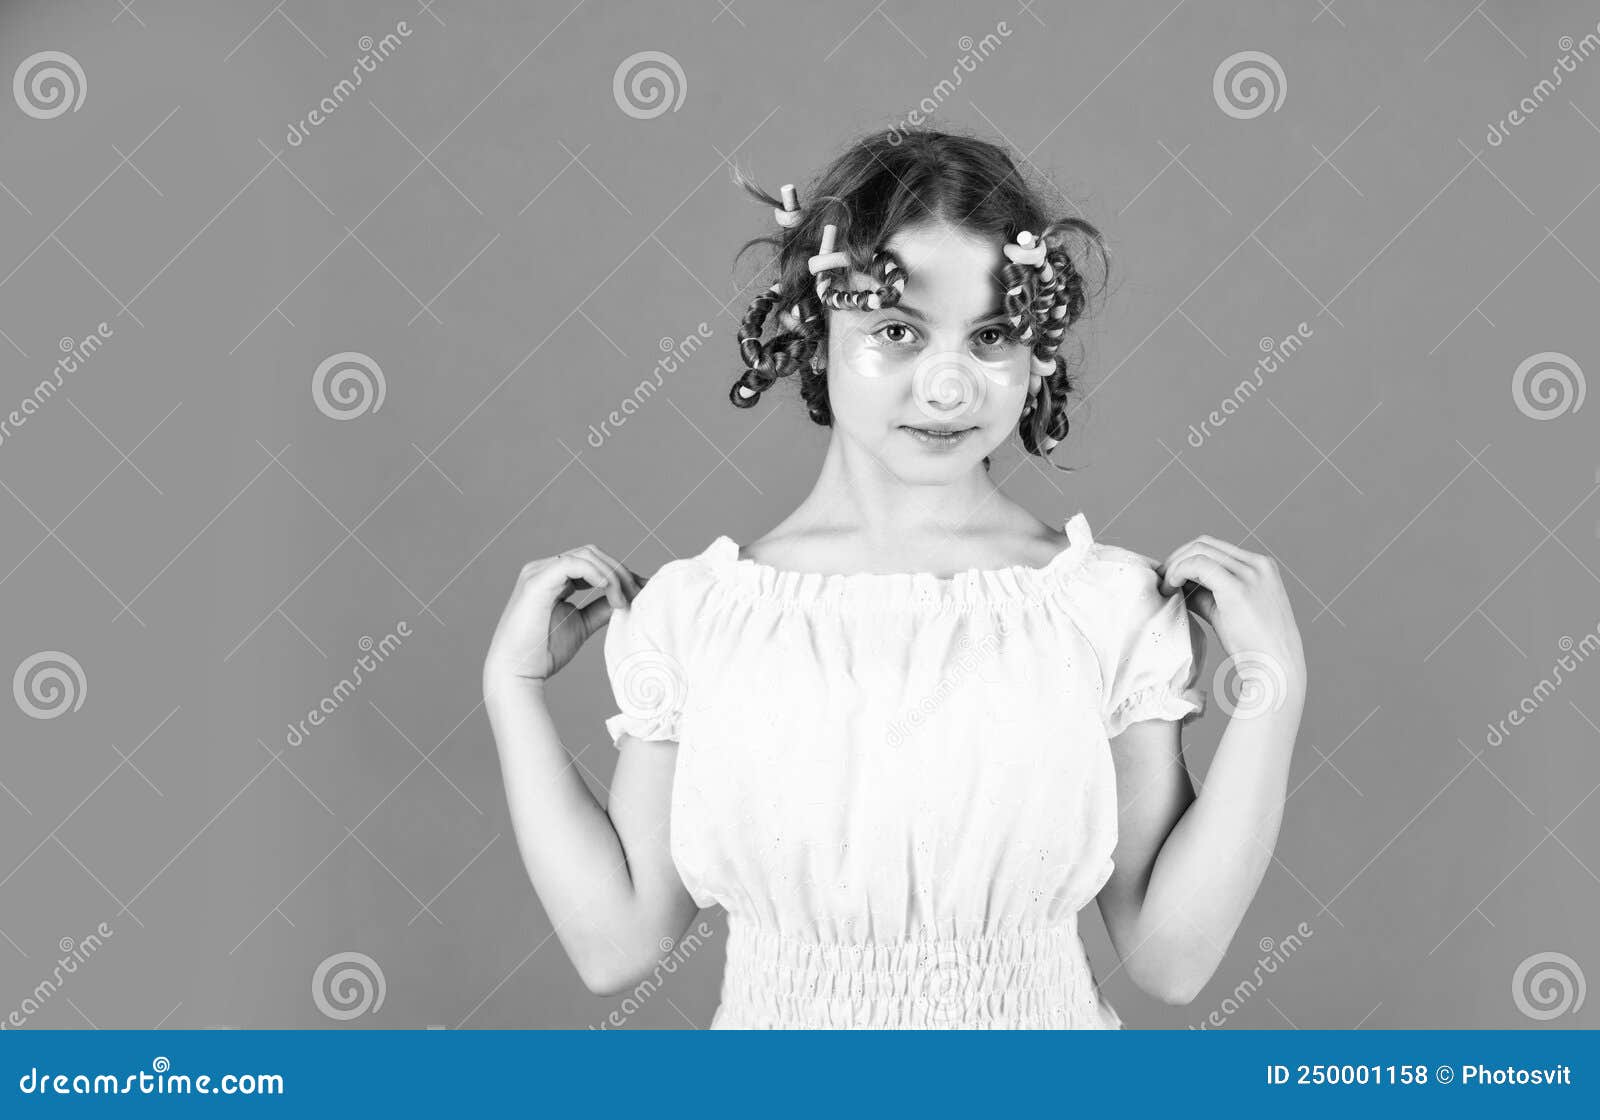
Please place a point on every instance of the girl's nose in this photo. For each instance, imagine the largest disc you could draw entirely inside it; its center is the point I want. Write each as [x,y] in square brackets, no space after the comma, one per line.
[948,387]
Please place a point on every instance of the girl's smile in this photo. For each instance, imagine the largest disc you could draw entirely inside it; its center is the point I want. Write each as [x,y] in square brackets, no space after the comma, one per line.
[936,438]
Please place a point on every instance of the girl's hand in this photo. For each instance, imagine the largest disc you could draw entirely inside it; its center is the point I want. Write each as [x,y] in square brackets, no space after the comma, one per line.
[540,629]
[1241,596]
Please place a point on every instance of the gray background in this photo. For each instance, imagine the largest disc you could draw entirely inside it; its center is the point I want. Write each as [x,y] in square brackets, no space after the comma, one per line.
[510,247]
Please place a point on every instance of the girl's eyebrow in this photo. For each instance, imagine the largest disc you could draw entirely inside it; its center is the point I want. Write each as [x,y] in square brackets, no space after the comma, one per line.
[992,313]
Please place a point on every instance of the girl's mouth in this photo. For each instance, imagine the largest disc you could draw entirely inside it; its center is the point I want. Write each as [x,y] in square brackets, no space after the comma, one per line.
[934,438]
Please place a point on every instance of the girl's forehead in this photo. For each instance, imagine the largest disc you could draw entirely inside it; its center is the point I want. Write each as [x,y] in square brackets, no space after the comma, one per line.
[944,246]
[947,266]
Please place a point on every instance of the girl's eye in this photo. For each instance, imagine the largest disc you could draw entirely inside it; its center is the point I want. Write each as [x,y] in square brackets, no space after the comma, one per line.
[901,334]
[887,327]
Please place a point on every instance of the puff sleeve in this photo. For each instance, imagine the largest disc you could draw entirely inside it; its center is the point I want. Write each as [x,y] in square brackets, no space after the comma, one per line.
[644,662]
[1152,649]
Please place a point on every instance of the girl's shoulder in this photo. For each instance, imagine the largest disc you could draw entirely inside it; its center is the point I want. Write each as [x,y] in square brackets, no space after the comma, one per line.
[680,579]
[1114,587]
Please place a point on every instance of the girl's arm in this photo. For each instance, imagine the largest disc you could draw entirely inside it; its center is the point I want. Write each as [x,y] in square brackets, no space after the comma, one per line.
[605,876]
[1187,867]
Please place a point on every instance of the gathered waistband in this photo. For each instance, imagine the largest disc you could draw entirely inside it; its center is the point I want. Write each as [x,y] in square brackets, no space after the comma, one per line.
[1034,978]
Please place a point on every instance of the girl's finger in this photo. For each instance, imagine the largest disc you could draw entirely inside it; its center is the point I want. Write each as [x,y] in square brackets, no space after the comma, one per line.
[1243,555]
[596,615]
[630,582]
[1203,569]
[574,568]
[1203,602]
[618,589]
[1240,568]
[1197,548]
[614,584]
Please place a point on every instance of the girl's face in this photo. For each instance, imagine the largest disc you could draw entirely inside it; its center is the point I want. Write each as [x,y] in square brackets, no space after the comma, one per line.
[939,361]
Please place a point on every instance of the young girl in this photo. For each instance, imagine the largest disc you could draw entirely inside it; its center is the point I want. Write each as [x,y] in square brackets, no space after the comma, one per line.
[905,737]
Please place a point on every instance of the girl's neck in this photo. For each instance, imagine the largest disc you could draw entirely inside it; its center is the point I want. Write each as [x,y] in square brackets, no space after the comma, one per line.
[856,494]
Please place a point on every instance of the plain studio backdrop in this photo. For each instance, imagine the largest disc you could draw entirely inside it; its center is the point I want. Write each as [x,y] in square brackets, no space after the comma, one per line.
[298,371]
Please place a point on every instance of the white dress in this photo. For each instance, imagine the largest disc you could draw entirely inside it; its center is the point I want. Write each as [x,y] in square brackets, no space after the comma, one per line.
[900,786]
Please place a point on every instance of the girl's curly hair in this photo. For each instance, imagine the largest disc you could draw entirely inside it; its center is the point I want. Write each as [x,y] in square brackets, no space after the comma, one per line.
[885,183]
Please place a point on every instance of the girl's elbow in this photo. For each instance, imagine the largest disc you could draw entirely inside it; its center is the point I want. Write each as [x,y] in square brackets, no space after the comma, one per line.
[604,983]
[1177,993]
[610,971]
[1175,987]
[606,975]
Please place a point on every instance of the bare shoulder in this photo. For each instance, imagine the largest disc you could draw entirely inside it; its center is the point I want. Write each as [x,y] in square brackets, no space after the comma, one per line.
[801,549]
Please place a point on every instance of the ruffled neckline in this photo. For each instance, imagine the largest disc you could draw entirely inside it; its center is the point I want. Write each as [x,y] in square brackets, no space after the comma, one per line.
[1015,582]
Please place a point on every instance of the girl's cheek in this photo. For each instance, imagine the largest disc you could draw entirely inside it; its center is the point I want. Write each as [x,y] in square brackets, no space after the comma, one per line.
[1006,372]
[866,360]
